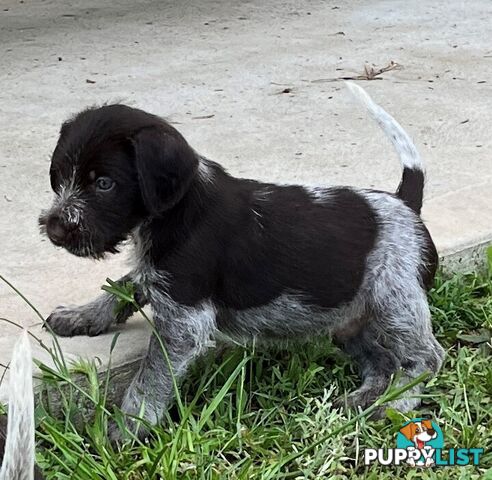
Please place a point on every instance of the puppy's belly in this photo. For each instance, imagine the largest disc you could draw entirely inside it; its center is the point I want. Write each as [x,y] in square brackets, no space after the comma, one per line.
[287,317]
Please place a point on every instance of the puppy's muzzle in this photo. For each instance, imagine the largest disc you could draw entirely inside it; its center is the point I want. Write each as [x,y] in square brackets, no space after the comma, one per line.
[57,229]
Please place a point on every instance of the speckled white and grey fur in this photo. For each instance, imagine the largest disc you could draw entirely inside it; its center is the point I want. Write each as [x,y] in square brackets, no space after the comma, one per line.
[204,170]
[318,194]
[92,318]
[68,201]
[396,300]
[186,333]
[18,461]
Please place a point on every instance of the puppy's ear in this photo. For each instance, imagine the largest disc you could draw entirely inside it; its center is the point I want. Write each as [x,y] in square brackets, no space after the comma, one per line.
[166,166]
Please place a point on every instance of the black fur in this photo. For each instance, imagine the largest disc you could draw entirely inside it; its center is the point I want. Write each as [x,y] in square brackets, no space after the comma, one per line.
[430,260]
[205,235]
[166,166]
[213,246]
[411,188]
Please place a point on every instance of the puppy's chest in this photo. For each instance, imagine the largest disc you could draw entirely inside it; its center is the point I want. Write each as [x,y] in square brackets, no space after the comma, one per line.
[176,273]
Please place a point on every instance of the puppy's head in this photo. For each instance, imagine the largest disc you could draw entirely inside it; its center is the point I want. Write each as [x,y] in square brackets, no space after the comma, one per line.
[112,168]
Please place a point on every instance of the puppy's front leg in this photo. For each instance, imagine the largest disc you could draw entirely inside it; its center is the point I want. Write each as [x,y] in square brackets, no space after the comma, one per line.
[185,333]
[94,317]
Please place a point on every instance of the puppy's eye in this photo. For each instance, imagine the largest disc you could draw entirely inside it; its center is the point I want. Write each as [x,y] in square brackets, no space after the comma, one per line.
[104,184]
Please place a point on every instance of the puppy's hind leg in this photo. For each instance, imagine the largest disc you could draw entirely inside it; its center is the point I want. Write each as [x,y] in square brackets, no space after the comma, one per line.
[416,347]
[398,337]
[94,317]
[376,363]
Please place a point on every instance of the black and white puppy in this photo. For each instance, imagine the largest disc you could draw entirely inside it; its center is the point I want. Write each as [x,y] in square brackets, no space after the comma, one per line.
[219,257]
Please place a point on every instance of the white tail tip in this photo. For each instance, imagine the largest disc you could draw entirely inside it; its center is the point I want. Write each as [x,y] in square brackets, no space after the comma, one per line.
[409,156]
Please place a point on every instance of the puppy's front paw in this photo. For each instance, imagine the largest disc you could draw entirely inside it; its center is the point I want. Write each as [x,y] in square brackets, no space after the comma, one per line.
[67,321]
[70,321]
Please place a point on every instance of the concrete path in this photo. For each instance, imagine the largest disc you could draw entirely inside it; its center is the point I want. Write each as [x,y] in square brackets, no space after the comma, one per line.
[248,84]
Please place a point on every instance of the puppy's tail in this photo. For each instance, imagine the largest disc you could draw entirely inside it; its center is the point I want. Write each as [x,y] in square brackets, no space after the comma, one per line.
[411,188]
[18,461]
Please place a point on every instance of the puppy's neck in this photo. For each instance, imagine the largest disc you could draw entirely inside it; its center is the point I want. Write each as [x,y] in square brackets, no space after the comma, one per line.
[160,235]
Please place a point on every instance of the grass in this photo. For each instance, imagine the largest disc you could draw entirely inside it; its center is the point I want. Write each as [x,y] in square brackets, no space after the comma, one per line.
[269,415]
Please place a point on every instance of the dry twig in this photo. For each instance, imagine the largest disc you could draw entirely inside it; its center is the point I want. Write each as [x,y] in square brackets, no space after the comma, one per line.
[370,73]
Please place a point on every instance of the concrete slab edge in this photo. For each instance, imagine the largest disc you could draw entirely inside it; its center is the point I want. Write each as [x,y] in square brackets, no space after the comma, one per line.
[467,259]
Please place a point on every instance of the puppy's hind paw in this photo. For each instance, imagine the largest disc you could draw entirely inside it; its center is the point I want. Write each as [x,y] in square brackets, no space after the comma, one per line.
[361,399]
[115,435]
[132,430]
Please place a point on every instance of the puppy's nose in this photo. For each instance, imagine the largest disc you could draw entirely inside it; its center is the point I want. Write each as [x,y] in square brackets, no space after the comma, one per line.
[56,230]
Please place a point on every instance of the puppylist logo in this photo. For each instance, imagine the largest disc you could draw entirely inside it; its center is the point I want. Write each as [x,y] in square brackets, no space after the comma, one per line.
[420,443]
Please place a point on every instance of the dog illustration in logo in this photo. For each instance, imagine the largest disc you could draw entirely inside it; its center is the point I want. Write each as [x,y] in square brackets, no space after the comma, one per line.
[419,433]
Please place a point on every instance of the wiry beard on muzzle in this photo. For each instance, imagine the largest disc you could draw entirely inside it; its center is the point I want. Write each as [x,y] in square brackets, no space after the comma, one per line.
[64,225]
[72,224]
[83,249]
[77,238]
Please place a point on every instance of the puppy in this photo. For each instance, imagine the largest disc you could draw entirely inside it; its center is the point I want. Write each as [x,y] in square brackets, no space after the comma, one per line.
[17,433]
[219,257]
